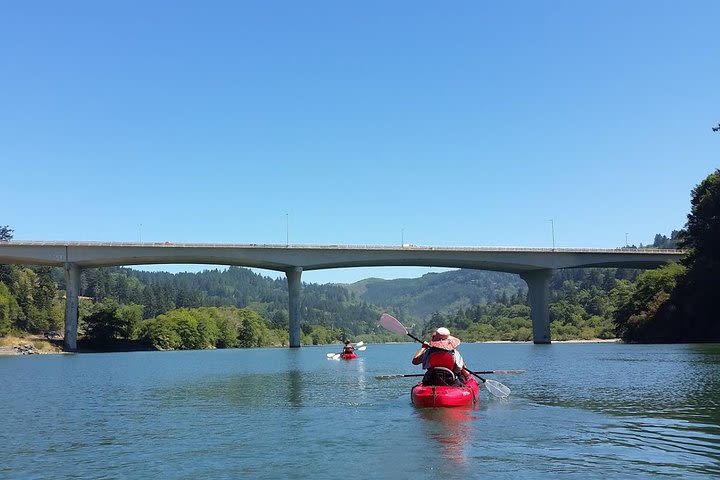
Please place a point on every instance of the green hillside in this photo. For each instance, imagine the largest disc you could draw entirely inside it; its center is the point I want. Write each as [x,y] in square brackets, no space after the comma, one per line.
[419,298]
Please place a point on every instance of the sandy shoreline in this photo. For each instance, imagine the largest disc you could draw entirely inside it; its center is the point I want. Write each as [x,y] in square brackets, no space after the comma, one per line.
[5,351]
[28,346]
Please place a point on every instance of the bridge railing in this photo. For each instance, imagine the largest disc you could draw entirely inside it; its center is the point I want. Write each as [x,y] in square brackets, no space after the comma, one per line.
[620,250]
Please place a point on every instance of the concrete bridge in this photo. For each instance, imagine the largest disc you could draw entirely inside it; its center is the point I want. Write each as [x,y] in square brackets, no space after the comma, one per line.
[534,265]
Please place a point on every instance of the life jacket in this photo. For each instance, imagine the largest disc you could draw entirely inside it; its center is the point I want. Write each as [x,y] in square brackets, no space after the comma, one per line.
[437,357]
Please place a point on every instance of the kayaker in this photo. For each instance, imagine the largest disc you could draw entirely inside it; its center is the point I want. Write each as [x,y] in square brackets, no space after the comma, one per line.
[348,348]
[441,352]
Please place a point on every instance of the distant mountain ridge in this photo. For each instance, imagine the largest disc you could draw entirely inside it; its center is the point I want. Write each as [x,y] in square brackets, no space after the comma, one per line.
[439,292]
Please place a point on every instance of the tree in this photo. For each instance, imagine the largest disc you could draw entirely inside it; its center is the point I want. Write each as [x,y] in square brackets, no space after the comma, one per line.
[661,241]
[5,270]
[696,295]
[644,311]
[6,233]
[252,329]
[159,333]
[678,303]
[103,326]
[9,310]
[702,232]
[129,318]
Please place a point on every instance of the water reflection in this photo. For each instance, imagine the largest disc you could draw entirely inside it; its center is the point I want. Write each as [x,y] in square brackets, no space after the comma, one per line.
[452,429]
[257,391]
[361,387]
[294,388]
[579,411]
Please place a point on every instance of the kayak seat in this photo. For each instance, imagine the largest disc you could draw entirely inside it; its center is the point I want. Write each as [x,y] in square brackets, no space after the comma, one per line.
[439,376]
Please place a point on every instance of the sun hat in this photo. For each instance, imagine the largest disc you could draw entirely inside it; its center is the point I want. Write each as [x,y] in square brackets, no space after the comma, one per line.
[441,338]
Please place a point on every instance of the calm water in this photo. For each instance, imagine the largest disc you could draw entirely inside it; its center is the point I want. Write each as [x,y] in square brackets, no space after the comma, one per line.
[580,410]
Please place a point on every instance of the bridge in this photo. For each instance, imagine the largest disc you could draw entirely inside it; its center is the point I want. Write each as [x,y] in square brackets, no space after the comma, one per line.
[534,265]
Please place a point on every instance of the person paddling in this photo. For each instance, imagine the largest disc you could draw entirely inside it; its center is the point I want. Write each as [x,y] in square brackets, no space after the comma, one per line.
[444,364]
[348,348]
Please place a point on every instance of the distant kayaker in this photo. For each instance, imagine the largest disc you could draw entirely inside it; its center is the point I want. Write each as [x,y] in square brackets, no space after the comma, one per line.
[348,348]
[440,355]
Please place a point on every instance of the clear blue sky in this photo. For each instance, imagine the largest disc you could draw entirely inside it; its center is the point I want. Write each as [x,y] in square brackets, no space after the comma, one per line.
[435,123]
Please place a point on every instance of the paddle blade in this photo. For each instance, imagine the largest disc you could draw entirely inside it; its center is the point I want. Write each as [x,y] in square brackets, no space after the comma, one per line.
[362,349]
[398,375]
[497,388]
[359,344]
[482,372]
[392,324]
[330,355]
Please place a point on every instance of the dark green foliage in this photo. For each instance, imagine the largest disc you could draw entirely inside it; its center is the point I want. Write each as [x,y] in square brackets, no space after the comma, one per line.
[661,241]
[9,310]
[129,318]
[702,233]
[208,327]
[677,304]
[6,233]
[35,294]
[160,334]
[642,311]
[103,326]
[695,298]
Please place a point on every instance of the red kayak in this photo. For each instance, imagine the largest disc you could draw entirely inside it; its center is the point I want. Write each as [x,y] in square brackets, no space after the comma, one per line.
[348,356]
[446,396]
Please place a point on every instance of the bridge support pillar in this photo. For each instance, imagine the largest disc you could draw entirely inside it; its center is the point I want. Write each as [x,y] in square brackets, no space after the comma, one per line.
[294,286]
[538,282]
[72,293]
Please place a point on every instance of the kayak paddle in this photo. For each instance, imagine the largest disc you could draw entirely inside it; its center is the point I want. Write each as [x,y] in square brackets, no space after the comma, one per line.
[484,372]
[392,324]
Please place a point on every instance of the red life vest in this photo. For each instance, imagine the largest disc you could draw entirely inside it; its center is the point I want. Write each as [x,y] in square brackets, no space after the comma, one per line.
[440,358]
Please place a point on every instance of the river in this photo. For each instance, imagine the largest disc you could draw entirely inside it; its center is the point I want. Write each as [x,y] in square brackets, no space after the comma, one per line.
[578,411]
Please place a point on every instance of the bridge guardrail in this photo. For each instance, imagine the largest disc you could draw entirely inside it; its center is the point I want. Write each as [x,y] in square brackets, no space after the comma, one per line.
[166,244]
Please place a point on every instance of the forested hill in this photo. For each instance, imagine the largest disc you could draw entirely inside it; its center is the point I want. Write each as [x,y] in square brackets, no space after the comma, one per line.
[420,297]
[329,304]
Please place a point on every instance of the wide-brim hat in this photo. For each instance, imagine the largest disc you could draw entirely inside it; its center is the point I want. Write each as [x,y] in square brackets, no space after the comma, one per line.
[441,338]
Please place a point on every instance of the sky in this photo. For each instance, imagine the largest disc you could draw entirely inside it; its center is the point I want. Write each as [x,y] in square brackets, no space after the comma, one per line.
[466,123]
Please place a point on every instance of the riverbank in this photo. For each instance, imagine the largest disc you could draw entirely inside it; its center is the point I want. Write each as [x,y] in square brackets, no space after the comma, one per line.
[32,345]
[37,345]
